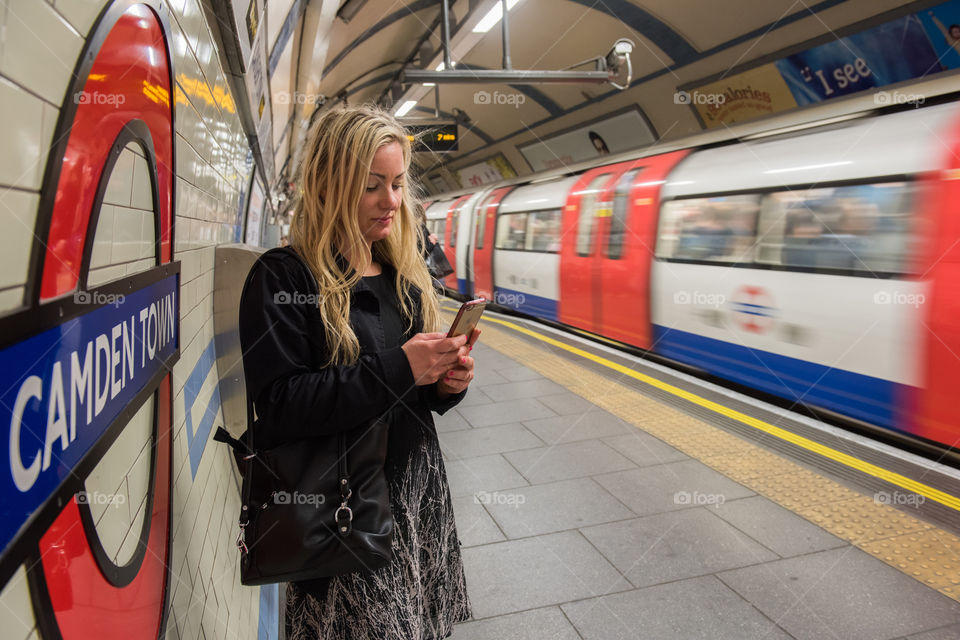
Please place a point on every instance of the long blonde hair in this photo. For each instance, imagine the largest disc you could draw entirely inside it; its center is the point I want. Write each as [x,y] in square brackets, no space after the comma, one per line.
[334,172]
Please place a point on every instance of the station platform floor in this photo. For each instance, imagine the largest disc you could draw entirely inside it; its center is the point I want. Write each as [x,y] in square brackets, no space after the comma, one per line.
[588,507]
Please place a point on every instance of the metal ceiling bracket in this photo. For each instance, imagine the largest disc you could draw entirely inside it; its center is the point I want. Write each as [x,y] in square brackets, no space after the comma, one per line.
[510,76]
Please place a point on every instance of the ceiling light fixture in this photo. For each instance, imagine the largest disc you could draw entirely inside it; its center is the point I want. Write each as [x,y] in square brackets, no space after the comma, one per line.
[405,108]
[493,16]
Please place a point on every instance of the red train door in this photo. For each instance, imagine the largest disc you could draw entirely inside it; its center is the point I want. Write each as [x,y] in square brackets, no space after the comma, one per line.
[932,412]
[627,237]
[483,249]
[450,239]
[580,261]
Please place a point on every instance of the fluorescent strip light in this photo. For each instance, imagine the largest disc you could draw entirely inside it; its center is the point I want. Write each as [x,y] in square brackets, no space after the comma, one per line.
[493,16]
[405,107]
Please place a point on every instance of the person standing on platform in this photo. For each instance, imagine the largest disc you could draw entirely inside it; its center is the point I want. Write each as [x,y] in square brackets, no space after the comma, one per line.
[375,323]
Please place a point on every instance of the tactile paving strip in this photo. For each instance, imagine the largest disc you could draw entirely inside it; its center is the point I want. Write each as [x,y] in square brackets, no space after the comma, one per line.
[917,548]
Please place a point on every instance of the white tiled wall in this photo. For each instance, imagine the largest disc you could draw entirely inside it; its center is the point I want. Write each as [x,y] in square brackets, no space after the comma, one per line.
[16,614]
[126,234]
[117,487]
[39,44]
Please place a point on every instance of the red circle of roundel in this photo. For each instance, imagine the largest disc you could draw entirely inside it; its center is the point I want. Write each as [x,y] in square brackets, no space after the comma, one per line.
[753,309]
[132,65]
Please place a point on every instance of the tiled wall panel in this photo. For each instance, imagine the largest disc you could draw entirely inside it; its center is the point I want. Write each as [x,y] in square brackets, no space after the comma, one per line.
[38,51]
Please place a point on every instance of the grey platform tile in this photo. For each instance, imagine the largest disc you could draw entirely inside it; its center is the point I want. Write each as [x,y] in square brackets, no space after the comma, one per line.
[525,389]
[696,608]
[512,576]
[644,449]
[475,397]
[943,633]
[489,473]
[778,529]
[842,593]
[483,441]
[593,423]
[490,359]
[572,460]
[566,403]
[538,624]
[570,504]
[672,546]
[668,487]
[486,376]
[450,421]
[504,412]
[474,524]
[519,373]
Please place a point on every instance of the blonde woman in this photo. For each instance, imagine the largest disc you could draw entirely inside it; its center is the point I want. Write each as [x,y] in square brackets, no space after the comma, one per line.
[375,323]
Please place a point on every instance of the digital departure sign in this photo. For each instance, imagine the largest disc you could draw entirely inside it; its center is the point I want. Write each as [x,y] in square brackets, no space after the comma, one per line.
[433,137]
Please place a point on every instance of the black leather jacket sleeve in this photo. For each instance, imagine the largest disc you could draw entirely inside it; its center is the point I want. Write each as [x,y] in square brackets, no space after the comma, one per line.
[294,398]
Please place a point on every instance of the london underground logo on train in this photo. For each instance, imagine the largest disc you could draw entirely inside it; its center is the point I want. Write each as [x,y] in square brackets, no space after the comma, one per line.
[753,309]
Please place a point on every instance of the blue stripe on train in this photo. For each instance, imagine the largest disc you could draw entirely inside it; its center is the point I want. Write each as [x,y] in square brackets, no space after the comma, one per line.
[526,303]
[462,285]
[852,394]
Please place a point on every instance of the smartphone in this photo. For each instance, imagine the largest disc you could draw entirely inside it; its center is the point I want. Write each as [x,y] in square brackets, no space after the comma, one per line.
[467,318]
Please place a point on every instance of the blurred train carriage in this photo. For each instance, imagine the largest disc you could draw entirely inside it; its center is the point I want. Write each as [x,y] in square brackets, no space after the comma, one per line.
[820,265]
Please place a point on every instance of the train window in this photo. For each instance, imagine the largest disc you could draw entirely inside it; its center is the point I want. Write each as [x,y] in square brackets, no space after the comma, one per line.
[512,231]
[720,229]
[865,228]
[482,212]
[618,222]
[589,203]
[436,227]
[543,231]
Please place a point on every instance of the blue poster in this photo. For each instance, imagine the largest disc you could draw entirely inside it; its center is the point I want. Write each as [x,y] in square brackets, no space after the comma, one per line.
[892,52]
[942,23]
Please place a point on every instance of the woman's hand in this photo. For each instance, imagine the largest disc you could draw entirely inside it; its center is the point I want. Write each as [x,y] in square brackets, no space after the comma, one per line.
[432,355]
[458,378]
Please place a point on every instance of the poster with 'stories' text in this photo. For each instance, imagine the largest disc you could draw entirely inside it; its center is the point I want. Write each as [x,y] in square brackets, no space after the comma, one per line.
[751,94]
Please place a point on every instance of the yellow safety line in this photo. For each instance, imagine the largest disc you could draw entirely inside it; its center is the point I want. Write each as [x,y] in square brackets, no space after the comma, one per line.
[837,456]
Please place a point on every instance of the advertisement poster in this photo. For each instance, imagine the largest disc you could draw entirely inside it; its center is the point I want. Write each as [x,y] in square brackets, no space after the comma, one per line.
[900,50]
[892,52]
[751,94]
[255,213]
[942,24]
[621,132]
[489,171]
[438,183]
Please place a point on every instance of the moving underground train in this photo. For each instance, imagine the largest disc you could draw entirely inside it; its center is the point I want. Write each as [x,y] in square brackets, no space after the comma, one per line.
[819,266]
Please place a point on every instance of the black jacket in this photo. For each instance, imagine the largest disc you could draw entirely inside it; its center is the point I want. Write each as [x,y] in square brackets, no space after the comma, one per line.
[283,343]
